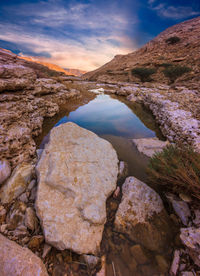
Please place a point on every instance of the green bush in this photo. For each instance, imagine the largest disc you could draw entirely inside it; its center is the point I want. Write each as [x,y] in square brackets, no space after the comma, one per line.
[143,73]
[175,71]
[165,65]
[172,40]
[176,168]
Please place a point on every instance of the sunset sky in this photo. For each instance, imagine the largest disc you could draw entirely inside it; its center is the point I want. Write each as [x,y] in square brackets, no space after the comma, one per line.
[86,34]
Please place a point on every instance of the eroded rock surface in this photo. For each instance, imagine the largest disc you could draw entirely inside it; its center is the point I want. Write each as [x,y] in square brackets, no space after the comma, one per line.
[16,260]
[77,172]
[141,215]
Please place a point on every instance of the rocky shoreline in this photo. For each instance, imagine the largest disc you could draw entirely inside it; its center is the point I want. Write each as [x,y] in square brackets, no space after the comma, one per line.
[36,194]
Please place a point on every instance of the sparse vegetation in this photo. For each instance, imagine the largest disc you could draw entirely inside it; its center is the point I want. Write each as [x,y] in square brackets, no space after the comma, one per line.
[165,65]
[172,40]
[175,71]
[176,168]
[143,73]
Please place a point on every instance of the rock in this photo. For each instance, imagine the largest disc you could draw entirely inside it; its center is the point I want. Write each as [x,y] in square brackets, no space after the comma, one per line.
[2,214]
[141,215]
[162,263]
[132,98]
[23,197]
[187,273]
[31,185]
[190,237]
[16,260]
[117,192]
[175,263]
[16,215]
[138,254]
[31,221]
[5,170]
[46,250]
[17,183]
[91,260]
[76,173]
[33,194]
[35,242]
[149,146]
[181,208]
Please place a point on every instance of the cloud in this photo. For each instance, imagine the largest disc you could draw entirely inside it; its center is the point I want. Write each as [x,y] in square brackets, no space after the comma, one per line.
[75,35]
[67,53]
[172,12]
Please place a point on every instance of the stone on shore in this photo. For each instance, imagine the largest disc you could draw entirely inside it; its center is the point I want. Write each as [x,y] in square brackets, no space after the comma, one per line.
[5,170]
[17,183]
[16,260]
[141,215]
[149,146]
[76,173]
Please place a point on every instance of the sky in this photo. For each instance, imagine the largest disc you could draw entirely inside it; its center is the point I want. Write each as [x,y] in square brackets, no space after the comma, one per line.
[86,34]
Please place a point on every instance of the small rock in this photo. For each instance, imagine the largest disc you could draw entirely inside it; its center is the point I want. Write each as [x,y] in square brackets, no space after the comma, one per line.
[46,250]
[185,197]
[59,257]
[3,228]
[35,242]
[31,185]
[138,254]
[91,260]
[2,214]
[190,237]
[31,221]
[23,198]
[187,273]
[181,208]
[16,215]
[5,170]
[175,263]
[162,263]
[17,183]
[182,267]
[33,194]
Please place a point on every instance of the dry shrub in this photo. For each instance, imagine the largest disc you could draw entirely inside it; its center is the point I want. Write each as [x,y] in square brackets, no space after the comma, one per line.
[143,73]
[176,168]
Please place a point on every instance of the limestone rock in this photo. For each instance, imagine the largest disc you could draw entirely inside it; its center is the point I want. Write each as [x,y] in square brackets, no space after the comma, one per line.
[16,260]
[141,215]
[190,237]
[5,170]
[31,219]
[76,173]
[17,183]
[149,146]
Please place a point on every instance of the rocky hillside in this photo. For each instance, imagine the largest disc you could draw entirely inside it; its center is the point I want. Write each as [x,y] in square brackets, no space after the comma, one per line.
[29,92]
[176,46]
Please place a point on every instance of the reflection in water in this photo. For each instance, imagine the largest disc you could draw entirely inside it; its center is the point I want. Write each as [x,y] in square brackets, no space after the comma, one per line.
[106,115]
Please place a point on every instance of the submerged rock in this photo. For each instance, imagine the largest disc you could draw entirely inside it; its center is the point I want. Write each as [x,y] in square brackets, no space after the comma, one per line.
[17,183]
[77,172]
[16,260]
[149,146]
[141,215]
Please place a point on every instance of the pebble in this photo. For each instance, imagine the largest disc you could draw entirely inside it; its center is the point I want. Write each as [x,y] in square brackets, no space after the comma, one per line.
[23,198]
[91,260]
[175,263]
[185,197]
[5,170]
[46,250]
[31,185]
[31,221]
[35,242]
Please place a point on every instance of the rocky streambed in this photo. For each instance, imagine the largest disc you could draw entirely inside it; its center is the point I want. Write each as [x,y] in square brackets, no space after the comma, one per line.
[73,205]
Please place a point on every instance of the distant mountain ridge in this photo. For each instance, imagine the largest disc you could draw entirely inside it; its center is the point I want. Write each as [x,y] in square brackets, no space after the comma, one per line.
[177,45]
[67,71]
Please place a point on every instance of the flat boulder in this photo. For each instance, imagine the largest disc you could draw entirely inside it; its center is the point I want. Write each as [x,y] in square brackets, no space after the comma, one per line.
[141,216]
[16,260]
[149,146]
[76,173]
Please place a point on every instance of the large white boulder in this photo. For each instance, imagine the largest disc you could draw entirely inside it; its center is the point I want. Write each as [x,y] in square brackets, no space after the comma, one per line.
[76,173]
[141,215]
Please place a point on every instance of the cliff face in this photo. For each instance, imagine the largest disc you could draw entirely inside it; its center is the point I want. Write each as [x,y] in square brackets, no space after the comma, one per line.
[184,51]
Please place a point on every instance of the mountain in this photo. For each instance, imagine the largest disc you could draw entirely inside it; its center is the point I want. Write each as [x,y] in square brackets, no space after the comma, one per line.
[177,46]
[67,71]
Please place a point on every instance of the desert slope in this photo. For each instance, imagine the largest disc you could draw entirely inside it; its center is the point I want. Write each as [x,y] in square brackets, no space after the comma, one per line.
[185,52]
